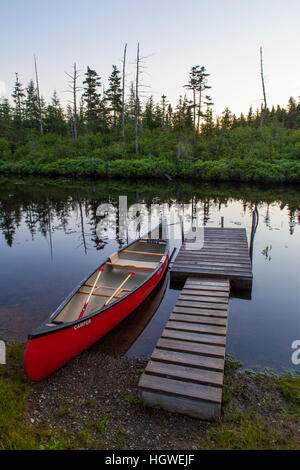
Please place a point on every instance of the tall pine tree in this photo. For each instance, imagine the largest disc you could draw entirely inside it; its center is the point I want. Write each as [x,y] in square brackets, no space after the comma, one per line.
[92,98]
[114,96]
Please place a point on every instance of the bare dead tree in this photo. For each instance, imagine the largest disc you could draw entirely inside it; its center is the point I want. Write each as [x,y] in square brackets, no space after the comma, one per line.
[123,93]
[263,116]
[74,88]
[136,118]
[38,97]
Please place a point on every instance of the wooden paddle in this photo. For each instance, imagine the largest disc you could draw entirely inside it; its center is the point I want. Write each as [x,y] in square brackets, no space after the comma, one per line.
[90,294]
[119,288]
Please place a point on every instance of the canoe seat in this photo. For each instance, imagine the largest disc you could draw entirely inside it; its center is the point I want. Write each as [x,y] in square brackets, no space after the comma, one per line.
[116,261]
[129,263]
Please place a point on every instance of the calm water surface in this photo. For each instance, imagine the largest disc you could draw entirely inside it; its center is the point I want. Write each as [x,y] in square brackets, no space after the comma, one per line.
[51,236]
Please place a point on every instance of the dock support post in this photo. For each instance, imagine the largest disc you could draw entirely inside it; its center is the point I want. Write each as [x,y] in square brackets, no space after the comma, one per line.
[182,229]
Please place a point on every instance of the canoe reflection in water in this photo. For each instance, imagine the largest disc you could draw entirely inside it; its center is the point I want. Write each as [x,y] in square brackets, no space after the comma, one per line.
[119,340]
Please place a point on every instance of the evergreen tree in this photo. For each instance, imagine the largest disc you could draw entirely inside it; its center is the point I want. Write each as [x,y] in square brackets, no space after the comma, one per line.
[54,117]
[227,119]
[32,113]
[193,84]
[114,95]
[208,127]
[18,97]
[182,118]
[130,105]
[5,118]
[291,117]
[92,98]
[201,87]
[169,117]
[158,117]
[149,114]
[250,116]
[163,104]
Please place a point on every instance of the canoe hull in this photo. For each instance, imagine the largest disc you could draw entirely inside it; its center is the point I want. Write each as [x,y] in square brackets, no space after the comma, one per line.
[46,353]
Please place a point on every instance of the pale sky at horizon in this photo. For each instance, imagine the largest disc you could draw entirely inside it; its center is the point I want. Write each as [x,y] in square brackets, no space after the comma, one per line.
[224,36]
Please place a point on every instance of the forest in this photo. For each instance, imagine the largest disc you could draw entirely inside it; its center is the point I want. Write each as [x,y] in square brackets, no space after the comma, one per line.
[103,133]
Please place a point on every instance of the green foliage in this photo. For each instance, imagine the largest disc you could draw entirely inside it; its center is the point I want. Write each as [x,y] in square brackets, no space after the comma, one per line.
[289,385]
[5,151]
[245,431]
[14,389]
[239,151]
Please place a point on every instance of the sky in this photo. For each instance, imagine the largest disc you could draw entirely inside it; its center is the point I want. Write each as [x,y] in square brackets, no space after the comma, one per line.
[222,35]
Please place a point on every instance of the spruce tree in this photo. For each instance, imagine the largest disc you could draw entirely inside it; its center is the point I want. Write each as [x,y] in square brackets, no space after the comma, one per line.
[193,85]
[54,117]
[201,87]
[18,97]
[114,95]
[92,98]
[5,118]
[32,113]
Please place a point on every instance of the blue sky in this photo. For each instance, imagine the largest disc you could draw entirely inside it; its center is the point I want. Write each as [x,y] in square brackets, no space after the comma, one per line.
[224,36]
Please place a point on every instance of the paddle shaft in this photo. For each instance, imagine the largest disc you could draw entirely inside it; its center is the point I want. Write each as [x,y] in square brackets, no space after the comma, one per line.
[90,294]
[118,289]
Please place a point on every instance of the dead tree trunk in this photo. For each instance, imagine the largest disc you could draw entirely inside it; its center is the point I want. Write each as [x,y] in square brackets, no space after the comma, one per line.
[199,110]
[123,93]
[73,89]
[38,97]
[263,116]
[136,119]
[75,76]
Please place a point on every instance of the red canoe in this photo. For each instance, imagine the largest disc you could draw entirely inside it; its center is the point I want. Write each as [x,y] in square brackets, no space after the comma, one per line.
[101,301]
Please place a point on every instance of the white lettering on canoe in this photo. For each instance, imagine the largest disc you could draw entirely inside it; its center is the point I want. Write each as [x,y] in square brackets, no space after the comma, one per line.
[83,323]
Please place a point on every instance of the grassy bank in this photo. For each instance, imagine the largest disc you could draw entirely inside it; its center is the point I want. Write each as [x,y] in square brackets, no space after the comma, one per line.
[237,170]
[240,154]
[93,403]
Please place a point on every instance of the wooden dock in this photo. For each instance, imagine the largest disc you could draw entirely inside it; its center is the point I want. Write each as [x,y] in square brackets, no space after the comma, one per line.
[186,369]
[220,253]
[185,372]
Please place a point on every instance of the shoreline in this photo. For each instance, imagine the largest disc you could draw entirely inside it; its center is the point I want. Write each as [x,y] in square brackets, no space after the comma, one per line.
[93,403]
[223,170]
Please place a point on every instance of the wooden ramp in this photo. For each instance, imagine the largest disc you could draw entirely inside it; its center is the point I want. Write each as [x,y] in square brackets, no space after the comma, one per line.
[185,372]
[214,252]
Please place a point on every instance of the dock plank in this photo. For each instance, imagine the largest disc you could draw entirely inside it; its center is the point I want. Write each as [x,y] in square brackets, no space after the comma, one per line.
[196,327]
[189,374]
[194,337]
[198,319]
[201,311]
[187,359]
[199,304]
[188,346]
[182,389]
[200,297]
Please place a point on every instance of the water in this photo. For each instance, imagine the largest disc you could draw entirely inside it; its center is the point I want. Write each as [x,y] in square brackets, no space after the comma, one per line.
[51,236]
